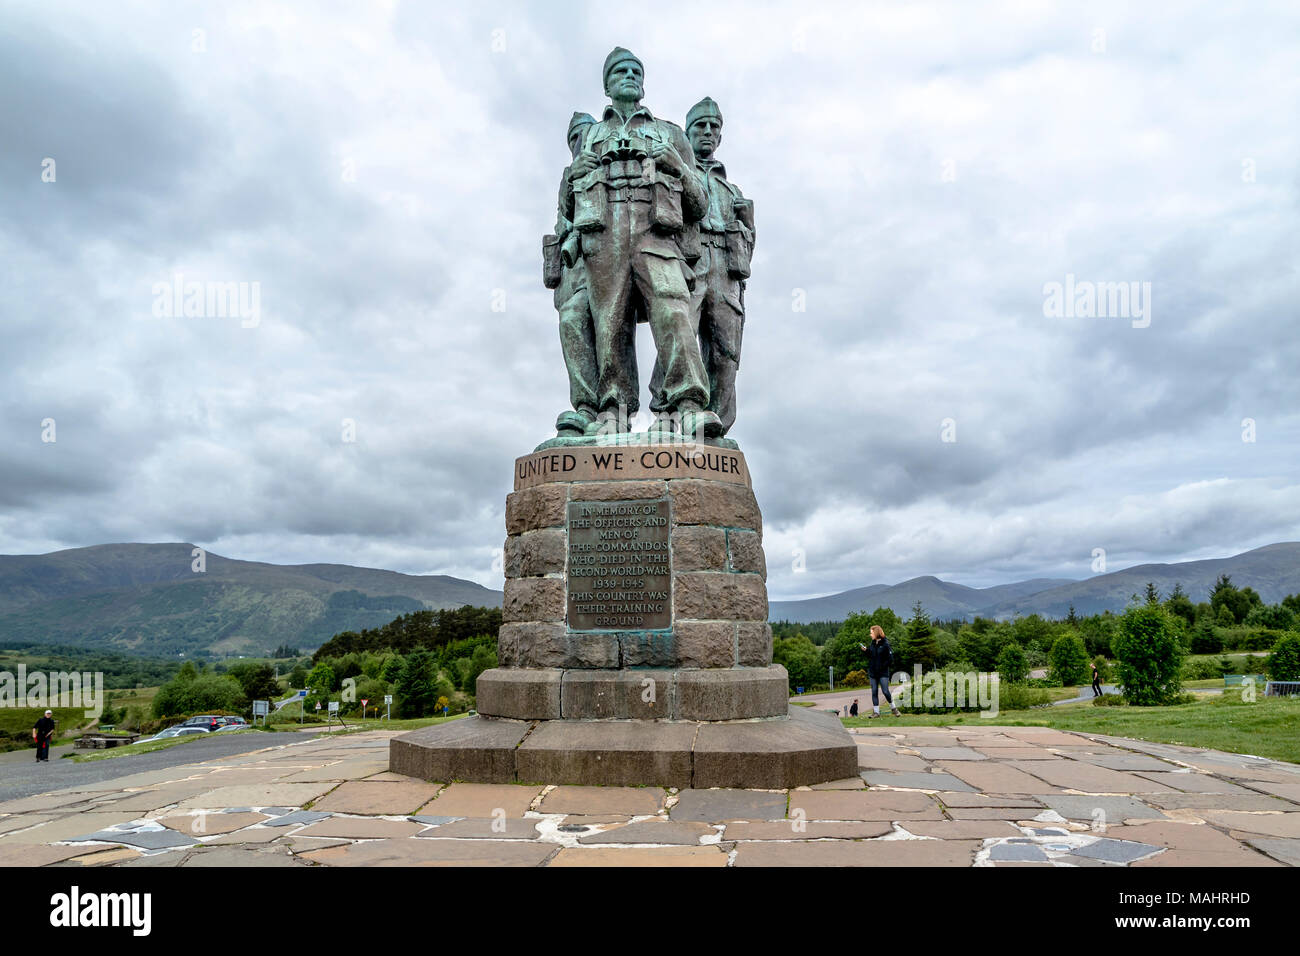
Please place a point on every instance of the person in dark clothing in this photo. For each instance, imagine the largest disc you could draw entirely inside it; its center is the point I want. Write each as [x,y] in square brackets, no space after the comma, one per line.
[853,710]
[1096,682]
[42,733]
[880,657]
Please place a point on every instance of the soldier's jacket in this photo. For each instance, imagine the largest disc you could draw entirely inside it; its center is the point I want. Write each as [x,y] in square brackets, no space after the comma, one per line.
[628,172]
[727,222]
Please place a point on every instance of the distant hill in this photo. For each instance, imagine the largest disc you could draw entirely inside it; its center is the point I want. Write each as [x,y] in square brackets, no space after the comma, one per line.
[1273,571]
[145,599]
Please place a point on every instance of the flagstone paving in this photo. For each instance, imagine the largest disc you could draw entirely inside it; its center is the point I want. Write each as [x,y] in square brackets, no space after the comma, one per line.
[934,796]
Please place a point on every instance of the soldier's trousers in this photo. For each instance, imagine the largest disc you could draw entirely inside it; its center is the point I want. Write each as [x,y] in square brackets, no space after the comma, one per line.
[626,262]
[577,338]
[719,317]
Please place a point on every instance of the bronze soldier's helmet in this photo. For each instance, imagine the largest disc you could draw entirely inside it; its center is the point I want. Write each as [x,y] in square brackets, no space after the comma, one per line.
[705,107]
[617,56]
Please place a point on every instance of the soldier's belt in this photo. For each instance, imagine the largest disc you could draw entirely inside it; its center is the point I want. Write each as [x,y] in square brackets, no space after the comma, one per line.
[716,239]
[628,193]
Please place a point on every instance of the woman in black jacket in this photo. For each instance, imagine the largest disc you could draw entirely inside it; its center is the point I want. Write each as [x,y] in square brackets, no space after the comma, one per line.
[880,656]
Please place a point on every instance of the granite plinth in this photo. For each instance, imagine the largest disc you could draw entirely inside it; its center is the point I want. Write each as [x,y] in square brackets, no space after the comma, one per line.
[798,749]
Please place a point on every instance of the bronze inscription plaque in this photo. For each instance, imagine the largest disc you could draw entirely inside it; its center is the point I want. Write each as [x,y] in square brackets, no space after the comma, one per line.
[619,576]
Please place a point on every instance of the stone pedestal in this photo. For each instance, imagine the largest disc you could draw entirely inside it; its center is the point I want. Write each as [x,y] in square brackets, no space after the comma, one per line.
[634,646]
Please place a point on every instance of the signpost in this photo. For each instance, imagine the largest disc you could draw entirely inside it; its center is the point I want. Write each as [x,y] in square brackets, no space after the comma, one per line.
[388,706]
[334,709]
[364,701]
[260,709]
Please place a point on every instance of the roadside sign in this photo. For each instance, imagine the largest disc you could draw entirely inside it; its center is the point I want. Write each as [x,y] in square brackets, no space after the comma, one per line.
[364,701]
[334,707]
[318,705]
[388,698]
[261,708]
[302,693]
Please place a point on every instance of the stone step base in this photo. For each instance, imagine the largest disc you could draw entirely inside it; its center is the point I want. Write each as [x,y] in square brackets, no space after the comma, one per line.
[738,693]
[802,748]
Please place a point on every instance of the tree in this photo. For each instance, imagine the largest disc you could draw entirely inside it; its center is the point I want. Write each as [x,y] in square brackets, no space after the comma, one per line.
[1225,594]
[1277,617]
[1069,660]
[1153,596]
[482,659]
[256,680]
[191,692]
[922,645]
[1284,662]
[801,659]
[1149,655]
[416,693]
[320,682]
[1181,605]
[1224,617]
[1205,639]
[1012,666]
[298,677]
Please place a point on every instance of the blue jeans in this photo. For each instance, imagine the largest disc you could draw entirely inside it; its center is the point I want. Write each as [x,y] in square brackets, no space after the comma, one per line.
[879,684]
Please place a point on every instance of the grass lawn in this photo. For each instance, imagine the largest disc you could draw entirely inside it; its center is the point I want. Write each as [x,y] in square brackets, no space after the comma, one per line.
[1264,728]
[143,747]
[370,723]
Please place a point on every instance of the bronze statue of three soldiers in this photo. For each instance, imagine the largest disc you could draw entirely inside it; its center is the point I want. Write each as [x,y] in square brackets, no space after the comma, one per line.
[648,229]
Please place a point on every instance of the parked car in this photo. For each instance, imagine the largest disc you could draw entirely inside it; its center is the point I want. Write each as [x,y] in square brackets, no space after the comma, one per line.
[222,729]
[235,721]
[178,731]
[208,722]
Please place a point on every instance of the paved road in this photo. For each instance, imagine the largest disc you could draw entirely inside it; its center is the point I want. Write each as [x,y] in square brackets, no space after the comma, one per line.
[22,776]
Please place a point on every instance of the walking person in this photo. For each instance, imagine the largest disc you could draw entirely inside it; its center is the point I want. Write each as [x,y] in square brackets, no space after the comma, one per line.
[880,657]
[42,733]
[1096,681]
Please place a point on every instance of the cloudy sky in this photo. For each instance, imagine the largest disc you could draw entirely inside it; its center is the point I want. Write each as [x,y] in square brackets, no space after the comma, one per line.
[921,172]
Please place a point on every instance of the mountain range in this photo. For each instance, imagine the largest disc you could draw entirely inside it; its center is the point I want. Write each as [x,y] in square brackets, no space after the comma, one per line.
[147,599]
[1273,571]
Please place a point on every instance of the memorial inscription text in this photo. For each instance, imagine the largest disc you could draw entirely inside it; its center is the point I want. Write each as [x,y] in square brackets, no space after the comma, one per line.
[618,570]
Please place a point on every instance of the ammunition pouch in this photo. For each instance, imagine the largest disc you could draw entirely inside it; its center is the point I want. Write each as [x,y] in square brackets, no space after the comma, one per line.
[740,246]
[589,201]
[666,204]
[551,262]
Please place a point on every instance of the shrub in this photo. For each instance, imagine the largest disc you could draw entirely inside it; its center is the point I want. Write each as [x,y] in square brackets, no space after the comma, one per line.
[1070,661]
[1149,655]
[1261,640]
[1012,666]
[856,679]
[1205,639]
[1110,700]
[1021,697]
[1202,669]
[1284,662]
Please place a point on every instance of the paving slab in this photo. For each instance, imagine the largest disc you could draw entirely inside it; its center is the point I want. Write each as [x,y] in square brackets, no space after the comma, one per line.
[673,856]
[652,831]
[104,857]
[864,805]
[1017,853]
[211,824]
[1113,809]
[995,813]
[961,829]
[1287,791]
[1015,753]
[1176,835]
[1211,801]
[1075,775]
[362,796]
[1196,859]
[360,828]
[785,830]
[1267,824]
[252,835]
[996,777]
[989,800]
[884,853]
[916,781]
[1282,850]
[66,828]
[159,839]
[23,855]
[633,801]
[1194,782]
[296,818]
[412,851]
[1115,851]
[240,856]
[477,828]
[257,795]
[21,821]
[951,753]
[882,758]
[720,806]
[481,799]
[849,783]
